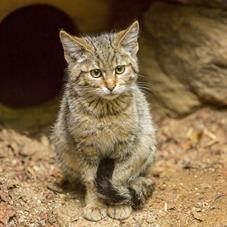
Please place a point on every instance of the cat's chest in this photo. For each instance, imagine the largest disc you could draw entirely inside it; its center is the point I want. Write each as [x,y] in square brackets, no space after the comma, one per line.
[110,129]
[108,134]
[103,134]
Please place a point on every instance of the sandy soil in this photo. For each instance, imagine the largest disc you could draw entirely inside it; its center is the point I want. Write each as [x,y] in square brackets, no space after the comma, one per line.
[190,176]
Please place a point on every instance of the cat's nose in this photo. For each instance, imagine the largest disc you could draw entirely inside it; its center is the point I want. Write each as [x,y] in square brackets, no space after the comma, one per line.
[111,87]
[110,84]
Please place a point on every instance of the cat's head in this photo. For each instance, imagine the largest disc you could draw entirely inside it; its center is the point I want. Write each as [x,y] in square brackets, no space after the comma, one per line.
[104,65]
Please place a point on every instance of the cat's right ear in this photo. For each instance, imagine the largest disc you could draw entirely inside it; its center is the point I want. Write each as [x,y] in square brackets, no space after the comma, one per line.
[75,48]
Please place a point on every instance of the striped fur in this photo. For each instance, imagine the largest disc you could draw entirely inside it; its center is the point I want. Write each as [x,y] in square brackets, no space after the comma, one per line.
[104,132]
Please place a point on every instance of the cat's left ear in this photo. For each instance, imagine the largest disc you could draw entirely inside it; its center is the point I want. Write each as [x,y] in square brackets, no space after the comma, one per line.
[128,39]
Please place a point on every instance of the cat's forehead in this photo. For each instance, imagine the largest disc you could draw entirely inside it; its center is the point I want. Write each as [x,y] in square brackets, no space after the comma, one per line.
[101,42]
[104,52]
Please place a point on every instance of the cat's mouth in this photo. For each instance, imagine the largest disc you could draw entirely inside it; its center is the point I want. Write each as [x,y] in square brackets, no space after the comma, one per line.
[110,96]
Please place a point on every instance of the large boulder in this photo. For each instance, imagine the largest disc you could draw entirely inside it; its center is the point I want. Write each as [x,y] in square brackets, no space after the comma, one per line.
[184,56]
[210,3]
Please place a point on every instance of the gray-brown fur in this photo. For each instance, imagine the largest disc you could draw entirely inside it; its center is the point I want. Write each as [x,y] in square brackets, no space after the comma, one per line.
[105,118]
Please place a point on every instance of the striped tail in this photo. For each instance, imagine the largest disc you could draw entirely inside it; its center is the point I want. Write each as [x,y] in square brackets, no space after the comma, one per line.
[133,194]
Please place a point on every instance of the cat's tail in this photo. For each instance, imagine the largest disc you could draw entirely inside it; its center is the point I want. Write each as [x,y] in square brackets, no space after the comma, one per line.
[134,193]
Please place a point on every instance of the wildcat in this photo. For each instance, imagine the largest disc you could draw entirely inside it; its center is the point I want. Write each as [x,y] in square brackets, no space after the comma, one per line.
[104,133]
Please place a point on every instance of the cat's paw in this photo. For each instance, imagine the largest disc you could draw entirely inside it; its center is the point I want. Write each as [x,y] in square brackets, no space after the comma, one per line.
[119,212]
[95,211]
[141,188]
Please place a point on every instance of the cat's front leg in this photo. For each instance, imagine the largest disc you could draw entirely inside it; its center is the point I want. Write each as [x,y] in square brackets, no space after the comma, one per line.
[119,212]
[138,161]
[94,209]
[133,188]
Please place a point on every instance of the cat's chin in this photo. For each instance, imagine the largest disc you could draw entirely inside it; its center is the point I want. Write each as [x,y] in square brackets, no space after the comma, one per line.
[110,96]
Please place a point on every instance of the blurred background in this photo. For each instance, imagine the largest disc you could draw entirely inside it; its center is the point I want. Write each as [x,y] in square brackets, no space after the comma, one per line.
[183,64]
[31,58]
[183,54]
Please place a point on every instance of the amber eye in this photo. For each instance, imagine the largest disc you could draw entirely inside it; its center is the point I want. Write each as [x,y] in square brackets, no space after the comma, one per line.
[96,73]
[120,69]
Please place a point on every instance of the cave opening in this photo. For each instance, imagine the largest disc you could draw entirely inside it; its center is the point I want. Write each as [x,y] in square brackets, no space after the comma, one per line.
[31,57]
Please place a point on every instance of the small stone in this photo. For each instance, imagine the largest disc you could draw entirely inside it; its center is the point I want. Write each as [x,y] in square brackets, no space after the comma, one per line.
[197,215]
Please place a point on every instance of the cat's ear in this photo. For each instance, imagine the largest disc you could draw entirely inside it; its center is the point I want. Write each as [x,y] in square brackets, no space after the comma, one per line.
[75,48]
[128,38]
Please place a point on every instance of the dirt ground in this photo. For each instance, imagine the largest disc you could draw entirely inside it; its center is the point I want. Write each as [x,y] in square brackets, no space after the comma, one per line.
[190,176]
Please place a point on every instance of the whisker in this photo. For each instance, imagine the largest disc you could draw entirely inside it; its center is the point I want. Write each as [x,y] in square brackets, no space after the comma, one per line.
[144,83]
[146,89]
[144,86]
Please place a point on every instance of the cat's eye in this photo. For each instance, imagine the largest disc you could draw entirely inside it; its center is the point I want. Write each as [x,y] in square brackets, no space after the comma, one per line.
[120,69]
[96,73]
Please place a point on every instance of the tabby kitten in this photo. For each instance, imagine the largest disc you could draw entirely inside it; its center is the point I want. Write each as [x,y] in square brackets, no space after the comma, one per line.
[104,133]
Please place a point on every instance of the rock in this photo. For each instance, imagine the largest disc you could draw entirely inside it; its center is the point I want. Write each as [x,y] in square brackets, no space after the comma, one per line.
[210,3]
[197,215]
[6,212]
[184,56]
